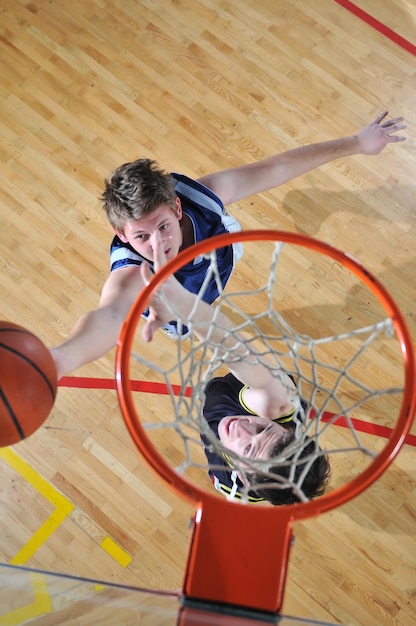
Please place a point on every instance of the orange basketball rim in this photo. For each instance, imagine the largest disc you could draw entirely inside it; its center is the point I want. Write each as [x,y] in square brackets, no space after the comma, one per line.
[218,570]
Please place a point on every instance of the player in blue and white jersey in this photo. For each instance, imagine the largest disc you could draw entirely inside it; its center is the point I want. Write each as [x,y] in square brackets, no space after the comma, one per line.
[141,200]
[206,217]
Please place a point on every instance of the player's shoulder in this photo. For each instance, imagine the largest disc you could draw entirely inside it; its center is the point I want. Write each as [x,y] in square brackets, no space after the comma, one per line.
[197,192]
[227,382]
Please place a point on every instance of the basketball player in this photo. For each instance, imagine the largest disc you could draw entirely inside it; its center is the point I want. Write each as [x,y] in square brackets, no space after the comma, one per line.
[236,414]
[252,412]
[141,200]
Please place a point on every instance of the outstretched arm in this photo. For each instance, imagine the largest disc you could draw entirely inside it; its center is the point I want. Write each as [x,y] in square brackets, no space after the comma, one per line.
[97,331]
[237,183]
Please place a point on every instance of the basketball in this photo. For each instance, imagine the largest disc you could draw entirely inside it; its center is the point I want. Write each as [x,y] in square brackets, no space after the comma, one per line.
[28,383]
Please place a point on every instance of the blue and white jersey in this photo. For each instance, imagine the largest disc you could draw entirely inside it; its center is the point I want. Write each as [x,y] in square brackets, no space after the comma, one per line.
[209,218]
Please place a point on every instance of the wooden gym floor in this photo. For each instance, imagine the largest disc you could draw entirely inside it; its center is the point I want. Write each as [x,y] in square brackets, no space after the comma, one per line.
[89,84]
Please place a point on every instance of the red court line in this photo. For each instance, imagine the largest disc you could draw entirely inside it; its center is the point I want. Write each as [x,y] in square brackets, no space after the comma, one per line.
[366,427]
[148,387]
[110,383]
[382,28]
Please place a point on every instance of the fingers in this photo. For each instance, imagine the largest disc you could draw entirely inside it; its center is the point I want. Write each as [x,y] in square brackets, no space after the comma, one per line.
[380,117]
[393,127]
[147,332]
[146,272]
[395,138]
[159,257]
[395,121]
[153,323]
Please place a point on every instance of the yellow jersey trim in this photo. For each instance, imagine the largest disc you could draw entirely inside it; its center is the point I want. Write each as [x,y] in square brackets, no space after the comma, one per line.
[282,419]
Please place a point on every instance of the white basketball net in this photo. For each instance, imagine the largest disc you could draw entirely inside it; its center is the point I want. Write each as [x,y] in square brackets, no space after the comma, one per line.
[317,322]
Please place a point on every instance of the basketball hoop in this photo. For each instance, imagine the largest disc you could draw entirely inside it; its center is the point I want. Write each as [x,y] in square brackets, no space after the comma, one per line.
[217,571]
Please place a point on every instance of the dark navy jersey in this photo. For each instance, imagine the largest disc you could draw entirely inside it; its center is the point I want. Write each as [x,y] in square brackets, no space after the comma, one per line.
[224,397]
[209,218]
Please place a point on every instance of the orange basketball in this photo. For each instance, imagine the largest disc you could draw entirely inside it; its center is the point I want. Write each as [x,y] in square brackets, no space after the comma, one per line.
[28,383]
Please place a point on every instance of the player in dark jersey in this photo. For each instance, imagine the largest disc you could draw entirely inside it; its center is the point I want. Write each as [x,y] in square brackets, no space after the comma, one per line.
[141,200]
[252,412]
[225,399]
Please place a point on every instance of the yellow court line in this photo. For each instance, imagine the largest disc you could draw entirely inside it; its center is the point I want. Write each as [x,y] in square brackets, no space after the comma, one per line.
[34,478]
[40,536]
[116,552]
[62,510]
[40,606]
[42,602]
[41,599]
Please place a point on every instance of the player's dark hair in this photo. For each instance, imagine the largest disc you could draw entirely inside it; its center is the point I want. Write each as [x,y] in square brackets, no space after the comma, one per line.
[313,484]
[136,189]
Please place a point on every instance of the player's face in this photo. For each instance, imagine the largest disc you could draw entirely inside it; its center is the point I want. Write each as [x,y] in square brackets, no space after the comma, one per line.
[163,222]
[250,435]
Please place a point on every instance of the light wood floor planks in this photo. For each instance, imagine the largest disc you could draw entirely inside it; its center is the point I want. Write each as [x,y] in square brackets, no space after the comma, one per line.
[89,84]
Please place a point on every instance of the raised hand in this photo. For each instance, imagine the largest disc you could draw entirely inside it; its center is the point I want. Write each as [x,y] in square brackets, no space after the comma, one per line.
[374,137]
[170,290]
